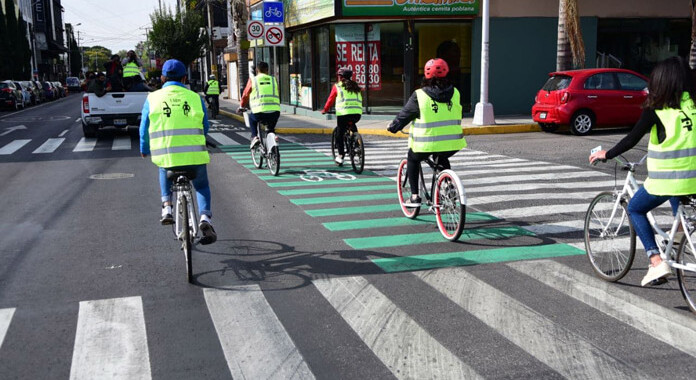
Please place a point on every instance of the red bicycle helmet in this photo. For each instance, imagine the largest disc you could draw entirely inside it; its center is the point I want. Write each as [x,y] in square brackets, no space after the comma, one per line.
[436,67]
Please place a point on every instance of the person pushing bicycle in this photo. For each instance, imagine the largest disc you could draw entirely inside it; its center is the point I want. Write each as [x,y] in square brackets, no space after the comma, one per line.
[437,115]
[668,114]
[172,132]
[348,98]
[261,92]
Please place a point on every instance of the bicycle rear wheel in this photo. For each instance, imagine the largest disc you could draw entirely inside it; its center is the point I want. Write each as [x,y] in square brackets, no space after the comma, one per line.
[334,136]
[357,153]
[274,160]
[687,277]
[403,189]
[610,242]
[186,238]
[450,212]
[257,156]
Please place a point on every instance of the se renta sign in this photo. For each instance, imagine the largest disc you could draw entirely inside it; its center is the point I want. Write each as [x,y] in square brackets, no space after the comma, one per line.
[410,7]
[273,12]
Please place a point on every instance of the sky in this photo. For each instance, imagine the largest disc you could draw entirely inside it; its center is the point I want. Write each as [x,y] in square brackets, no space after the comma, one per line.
[116,25]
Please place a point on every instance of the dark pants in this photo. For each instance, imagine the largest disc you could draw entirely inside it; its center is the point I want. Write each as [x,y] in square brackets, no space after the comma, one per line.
[413,165]
[217,101]
[342,124]
[268,118]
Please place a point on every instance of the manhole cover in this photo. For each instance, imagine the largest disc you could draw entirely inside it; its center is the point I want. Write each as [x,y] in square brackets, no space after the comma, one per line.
[112,176]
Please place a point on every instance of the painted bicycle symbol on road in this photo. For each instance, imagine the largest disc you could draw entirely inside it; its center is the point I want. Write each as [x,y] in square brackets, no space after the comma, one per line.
[319,175]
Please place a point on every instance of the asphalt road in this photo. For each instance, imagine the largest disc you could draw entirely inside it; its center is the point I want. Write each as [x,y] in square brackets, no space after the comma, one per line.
[91,286]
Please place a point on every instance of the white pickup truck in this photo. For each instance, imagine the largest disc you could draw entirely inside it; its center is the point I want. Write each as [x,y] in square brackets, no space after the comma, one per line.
[118,109]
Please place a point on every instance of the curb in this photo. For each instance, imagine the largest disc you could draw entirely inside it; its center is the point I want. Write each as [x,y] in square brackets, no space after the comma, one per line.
[466,130]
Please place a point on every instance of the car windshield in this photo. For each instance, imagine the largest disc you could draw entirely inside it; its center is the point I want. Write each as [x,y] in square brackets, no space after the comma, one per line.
[72,81]
[4,85]
[557,82]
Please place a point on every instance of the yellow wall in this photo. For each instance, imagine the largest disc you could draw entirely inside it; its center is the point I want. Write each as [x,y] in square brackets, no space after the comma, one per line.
[598,8]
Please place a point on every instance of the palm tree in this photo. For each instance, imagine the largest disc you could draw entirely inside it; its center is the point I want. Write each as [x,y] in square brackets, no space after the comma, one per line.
[240,14]
[570,49]
[692,53]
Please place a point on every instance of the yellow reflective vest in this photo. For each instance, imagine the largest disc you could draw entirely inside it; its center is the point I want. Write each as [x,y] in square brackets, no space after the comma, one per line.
[176,128]
[264,94]
[672,163]
[130,70]
[438,128]
[213,87]
[347,103]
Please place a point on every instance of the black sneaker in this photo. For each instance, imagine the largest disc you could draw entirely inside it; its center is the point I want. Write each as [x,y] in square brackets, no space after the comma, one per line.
[167,218]
[209,235]
[414,201]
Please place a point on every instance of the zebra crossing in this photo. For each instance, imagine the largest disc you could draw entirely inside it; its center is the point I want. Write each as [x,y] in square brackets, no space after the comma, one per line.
[111,339]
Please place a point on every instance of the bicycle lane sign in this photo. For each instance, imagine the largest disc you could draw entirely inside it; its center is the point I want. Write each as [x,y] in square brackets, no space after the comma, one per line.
[275,36]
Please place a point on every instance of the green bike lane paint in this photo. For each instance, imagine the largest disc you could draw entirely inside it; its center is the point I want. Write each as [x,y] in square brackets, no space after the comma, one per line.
[349,204]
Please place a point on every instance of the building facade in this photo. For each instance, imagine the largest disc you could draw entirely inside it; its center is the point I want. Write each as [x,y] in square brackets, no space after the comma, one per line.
[49,46]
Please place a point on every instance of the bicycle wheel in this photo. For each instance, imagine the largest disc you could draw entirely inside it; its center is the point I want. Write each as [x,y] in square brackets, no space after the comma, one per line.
[274,160]
[334,136]
[357,153]
[257,156]
[186,238]
[450,212]
[403,189]
[610,242]
[687,276]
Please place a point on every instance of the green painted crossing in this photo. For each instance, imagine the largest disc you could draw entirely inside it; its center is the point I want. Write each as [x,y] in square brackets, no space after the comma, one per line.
[398,221]
[332,190]
[353,210]
[475,257]
[435,237]
[343,198]
[326,182]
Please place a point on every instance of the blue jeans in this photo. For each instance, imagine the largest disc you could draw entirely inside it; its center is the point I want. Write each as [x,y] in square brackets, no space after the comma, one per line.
[638,207]
[270,118]
[200,183]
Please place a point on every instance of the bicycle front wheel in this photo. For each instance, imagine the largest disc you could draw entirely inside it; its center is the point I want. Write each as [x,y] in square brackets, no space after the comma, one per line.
[186,238]
[403,189]
[334,142]
[610,241]
[357,154]
[450,212]
[274,160]
[687,276]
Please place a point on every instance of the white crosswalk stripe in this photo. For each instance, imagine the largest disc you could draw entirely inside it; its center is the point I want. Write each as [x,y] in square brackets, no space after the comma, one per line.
[222,138]
[85,145]
[121,143]
[49,146]
[5,319]
[13,146]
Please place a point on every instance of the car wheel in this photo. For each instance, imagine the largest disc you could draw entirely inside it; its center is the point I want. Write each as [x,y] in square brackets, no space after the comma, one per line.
[582,123]
[548,127]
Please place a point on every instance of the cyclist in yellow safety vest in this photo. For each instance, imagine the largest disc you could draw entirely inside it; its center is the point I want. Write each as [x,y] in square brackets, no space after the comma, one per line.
[346,94]
[669,114]
[172,132]
[436,112]
[261,92]
[212,91]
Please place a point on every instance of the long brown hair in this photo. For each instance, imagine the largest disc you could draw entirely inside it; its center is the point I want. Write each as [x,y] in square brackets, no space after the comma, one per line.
[668,81]
[350,85]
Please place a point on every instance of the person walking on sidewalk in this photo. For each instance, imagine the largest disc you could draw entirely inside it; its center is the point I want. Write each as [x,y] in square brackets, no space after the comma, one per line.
[212,92]
[669,114]
[437,129]
[174,124]
[262,92]
[347,95]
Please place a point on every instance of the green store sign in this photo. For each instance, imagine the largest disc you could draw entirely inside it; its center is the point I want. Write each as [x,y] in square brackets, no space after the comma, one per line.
[410,7]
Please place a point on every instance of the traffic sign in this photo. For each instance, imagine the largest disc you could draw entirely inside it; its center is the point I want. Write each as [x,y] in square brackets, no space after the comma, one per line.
[255,29]
[275,36]
[273,12]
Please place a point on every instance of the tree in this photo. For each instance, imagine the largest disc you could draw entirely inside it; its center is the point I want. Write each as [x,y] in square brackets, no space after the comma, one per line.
[240,15]
[96,57]
[4,46]
[24,51]
[570,49]
[178,35]
[13,53]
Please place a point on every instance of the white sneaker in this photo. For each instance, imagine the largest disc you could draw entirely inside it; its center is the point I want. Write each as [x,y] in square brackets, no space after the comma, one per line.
[655,273]
[167,217]
[254,142]
[339,160]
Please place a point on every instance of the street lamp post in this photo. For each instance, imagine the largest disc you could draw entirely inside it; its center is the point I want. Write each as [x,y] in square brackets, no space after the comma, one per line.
[483,114]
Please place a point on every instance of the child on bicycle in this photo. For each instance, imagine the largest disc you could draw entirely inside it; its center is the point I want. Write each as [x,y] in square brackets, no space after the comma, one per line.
[347,94]
[668,114]
[437,115]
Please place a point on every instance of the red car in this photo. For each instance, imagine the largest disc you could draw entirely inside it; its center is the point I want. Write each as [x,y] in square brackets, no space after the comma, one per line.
[585,99]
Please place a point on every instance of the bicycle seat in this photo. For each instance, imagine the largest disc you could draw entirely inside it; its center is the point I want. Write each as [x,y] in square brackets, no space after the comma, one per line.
[174,173]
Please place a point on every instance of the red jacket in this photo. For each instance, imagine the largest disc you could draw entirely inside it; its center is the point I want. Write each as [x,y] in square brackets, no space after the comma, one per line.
[332,98]
[246,94]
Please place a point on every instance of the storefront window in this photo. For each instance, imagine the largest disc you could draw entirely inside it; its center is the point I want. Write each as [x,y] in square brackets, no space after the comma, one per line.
[323,59]
[388,70]
[301,69]
[451,42]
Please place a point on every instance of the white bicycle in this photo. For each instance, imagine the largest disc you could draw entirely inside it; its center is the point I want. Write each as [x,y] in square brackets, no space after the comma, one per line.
[610,240]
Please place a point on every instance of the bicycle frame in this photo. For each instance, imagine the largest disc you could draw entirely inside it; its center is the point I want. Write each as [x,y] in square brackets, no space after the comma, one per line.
[182,188]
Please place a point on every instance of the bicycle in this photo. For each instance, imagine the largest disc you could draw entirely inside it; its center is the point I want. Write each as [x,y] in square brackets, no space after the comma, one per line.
[352,145]
[448,198]
[213,107]
[267,148]
[185,228]
[607,222]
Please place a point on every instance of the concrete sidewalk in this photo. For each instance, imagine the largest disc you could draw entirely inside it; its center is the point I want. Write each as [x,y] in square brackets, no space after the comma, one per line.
[315,122]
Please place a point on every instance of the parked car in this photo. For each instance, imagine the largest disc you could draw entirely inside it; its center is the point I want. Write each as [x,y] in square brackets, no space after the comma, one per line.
[589,98]
[26,94]
[33,90]
[49,90]
[73,84]
[10,95]
[39,90]
[60,89]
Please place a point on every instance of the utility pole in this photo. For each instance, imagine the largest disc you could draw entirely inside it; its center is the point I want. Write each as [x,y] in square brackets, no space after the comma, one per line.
[213,56]
[82,56]
[483,114]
